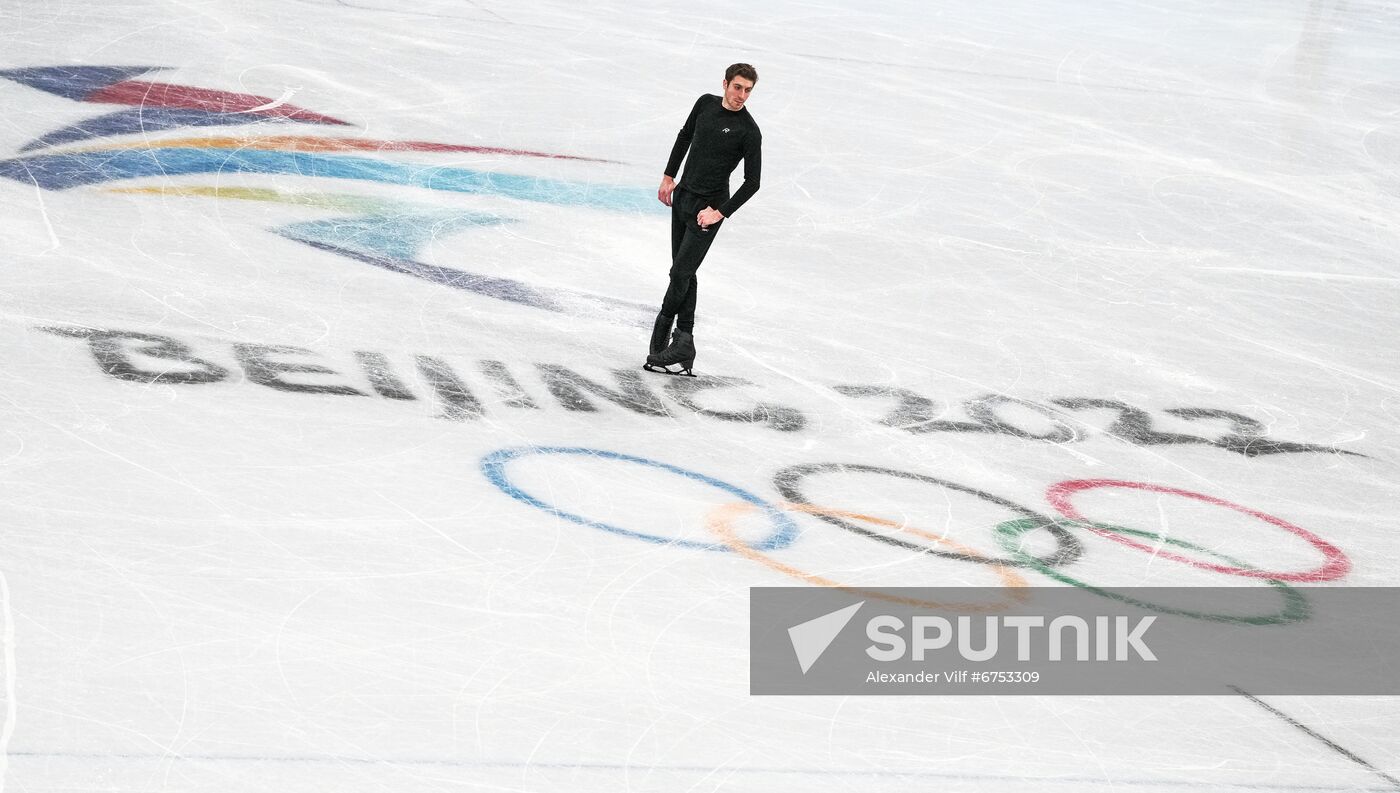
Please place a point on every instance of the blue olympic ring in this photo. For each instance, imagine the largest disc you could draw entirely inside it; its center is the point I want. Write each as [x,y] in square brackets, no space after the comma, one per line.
[493,466]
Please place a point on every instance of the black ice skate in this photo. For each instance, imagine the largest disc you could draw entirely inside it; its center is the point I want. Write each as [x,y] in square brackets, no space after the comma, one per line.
[659,331]
[681,352]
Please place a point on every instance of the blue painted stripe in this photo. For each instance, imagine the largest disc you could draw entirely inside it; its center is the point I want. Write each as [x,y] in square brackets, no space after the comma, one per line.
[565,301]
[75,82]
[507,289]
[400,235]
[145,120]
[64,171]
[493,466]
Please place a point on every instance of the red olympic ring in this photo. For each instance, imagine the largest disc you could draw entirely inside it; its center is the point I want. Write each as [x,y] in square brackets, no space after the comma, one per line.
[1337,564]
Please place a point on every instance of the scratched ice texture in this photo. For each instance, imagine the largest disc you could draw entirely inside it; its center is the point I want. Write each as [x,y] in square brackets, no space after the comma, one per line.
[327,462]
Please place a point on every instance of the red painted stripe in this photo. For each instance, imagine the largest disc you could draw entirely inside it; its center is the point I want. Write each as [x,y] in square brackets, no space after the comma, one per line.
[321,144]
[144,94]
[1337,564]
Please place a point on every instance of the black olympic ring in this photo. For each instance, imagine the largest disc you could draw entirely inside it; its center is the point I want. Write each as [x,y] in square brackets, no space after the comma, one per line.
[1068,547]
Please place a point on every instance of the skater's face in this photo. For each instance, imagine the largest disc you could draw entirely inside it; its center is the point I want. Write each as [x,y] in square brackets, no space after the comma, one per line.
[736,92]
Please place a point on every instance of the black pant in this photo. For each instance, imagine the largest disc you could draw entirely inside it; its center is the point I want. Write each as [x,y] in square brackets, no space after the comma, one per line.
[689,244]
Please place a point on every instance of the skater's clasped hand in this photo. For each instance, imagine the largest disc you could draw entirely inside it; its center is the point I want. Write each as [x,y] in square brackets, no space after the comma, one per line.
[708,217]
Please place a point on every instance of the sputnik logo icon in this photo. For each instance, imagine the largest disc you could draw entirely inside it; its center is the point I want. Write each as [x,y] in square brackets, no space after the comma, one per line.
[811,638]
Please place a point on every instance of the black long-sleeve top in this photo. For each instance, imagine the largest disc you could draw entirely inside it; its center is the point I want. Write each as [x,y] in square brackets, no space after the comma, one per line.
[717,138]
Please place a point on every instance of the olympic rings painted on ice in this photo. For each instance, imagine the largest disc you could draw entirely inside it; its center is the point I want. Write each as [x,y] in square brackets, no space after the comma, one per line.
[788,481]
[720,522]
[1336,566]
[1068,549]
[494,467]
[1295,606]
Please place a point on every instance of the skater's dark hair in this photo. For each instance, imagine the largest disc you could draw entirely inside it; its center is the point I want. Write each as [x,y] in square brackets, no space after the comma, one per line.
[741,70]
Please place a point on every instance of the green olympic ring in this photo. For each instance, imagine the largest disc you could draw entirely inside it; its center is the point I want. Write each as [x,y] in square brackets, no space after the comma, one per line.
[1295,605]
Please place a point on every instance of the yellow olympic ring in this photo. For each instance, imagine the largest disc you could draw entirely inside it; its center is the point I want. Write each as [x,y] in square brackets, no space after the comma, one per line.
[720,522]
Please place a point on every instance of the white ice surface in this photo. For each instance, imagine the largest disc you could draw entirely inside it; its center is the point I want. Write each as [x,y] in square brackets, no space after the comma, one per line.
[229,587]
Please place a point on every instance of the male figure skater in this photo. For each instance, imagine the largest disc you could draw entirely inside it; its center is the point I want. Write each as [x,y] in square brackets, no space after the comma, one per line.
[718,134]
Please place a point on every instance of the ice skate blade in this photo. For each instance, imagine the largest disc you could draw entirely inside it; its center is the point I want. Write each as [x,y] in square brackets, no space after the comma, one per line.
[684,372]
